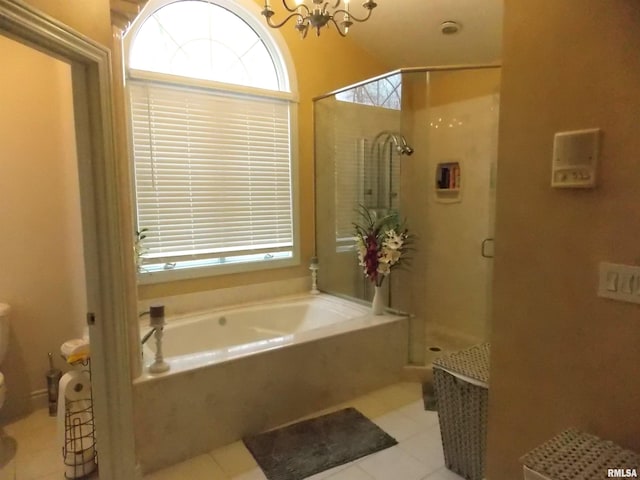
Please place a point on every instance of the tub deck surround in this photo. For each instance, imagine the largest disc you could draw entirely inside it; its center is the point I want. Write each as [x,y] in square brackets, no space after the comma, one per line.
[293,366]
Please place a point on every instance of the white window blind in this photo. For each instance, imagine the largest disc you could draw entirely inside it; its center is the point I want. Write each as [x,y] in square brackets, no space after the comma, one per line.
[213,175]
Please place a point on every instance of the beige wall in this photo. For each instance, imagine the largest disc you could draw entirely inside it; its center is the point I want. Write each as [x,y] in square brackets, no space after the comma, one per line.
[322,65]
[41,263]
[562,356]
[92,19]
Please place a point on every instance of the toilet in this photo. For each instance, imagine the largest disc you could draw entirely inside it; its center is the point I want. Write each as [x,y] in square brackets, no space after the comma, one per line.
[4,340]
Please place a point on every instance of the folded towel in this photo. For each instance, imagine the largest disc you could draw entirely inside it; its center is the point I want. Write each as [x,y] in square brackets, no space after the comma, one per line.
[75,350]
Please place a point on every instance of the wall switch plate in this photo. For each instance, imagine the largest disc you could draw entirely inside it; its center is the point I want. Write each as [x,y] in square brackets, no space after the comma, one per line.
[619,282]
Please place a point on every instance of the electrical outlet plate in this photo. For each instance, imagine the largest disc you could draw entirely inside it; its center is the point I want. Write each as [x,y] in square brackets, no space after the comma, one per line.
[619,282]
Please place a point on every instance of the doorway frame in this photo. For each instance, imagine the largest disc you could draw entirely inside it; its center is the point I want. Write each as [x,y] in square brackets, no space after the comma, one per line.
[107,239]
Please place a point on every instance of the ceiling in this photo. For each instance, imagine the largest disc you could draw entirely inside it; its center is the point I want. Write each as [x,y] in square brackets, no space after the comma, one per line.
[407,33]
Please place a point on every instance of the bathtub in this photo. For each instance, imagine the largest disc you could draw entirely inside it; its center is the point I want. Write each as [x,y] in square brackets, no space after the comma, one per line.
[204,338]
[238,371]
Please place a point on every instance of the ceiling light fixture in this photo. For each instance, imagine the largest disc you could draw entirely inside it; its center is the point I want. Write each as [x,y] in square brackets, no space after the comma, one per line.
[318,14]
[450,27]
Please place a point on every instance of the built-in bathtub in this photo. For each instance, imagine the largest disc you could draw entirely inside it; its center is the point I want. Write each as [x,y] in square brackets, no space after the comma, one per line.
[238,371]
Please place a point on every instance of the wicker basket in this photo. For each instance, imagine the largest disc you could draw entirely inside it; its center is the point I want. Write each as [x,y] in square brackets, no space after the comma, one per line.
[575,455]
[461,384]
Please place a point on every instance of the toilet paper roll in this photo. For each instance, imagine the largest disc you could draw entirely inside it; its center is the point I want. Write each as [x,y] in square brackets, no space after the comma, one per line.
[80,458]
[75,386]
[79,470]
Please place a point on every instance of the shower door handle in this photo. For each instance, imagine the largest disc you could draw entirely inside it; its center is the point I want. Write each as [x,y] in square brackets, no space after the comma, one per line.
[486,250]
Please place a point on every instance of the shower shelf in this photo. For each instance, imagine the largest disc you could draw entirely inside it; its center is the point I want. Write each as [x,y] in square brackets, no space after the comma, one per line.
[448,182]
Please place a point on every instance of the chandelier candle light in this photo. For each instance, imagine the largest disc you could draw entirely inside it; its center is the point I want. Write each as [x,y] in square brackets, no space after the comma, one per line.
[381,245]
[319,14]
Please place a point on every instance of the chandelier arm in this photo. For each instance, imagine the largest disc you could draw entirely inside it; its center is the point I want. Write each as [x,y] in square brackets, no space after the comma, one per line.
[328,4]
[323,12]
[342,34]
[352,16]
[295,9]
[305,31]
[278,25]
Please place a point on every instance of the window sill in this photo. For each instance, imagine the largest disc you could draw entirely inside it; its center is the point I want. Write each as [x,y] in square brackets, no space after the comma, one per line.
[150,278]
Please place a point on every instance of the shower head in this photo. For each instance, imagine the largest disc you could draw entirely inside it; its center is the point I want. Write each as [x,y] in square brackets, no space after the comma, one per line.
[401,145]
[398,140]
[404,149]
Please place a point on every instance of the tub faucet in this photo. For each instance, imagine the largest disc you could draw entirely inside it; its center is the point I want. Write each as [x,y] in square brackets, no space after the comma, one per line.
[156,314]
[156,321]
[147,335]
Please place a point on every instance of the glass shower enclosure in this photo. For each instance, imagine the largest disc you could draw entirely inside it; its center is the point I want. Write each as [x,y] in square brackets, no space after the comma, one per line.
[420,143]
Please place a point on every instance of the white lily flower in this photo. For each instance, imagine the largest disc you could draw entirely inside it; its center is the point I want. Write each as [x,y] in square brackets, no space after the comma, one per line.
[384,268]
[394,241]
[391,256]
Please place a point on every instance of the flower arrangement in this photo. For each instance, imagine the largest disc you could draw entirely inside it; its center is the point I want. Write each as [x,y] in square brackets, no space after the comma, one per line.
[381,244]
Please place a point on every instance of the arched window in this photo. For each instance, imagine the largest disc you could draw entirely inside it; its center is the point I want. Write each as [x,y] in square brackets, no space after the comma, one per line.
[212,115]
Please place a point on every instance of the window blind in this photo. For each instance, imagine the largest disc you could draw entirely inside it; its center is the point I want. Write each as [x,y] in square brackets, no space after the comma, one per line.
[212,173]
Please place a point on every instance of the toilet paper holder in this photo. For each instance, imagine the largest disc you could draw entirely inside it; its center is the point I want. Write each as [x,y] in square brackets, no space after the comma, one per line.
[79,441]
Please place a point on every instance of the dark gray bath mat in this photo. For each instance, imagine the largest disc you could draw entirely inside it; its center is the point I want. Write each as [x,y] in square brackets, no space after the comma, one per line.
[305,448]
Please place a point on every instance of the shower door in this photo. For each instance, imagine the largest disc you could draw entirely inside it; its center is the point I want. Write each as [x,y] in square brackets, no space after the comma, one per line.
[449,120]
[451,117]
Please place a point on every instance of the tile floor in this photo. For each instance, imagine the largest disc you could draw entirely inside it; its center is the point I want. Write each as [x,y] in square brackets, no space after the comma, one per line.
[31,449]
[397,409]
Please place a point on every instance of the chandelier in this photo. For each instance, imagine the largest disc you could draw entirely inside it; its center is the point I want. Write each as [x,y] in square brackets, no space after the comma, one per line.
[319,14]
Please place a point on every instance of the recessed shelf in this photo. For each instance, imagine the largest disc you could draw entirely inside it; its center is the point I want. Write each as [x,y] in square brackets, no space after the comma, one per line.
[448,182]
